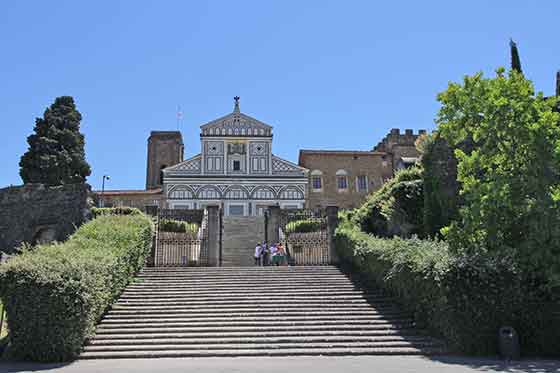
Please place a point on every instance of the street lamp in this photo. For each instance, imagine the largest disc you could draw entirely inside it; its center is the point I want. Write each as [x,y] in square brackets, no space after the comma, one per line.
[102,200]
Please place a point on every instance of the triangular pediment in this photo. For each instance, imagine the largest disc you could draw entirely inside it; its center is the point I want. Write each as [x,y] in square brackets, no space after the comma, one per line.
[190,166]
[283,167]
[236,124]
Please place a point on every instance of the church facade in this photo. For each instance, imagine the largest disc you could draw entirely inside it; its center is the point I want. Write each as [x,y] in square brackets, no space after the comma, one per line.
[236,170]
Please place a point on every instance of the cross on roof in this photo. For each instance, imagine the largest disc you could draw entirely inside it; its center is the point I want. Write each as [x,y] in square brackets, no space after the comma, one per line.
[236,107]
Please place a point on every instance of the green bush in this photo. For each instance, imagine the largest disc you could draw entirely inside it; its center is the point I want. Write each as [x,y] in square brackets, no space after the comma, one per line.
[462,300]
[396,208]
[177,226]
[102,211]
[304,226]
[55,294]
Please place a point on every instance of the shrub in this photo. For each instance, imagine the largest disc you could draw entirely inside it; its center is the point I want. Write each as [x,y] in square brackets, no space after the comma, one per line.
[55,294]
[177,226]
[102,211]
[304,226]
[396,208]
[463,300]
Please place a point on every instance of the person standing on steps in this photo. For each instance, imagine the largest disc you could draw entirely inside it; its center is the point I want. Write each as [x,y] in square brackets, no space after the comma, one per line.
[258,254]
[265,254]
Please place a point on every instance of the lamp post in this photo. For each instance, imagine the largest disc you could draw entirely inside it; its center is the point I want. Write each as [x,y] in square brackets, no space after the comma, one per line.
[102,200]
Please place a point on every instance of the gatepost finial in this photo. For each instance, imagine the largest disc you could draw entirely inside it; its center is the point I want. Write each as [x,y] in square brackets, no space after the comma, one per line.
[236,107]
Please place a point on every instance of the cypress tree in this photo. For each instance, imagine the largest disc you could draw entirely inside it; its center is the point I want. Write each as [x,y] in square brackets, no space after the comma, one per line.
[515,61]
[56,150]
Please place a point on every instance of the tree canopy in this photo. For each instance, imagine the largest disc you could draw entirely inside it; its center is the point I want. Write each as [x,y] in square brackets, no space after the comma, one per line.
[56,149]
[510,179]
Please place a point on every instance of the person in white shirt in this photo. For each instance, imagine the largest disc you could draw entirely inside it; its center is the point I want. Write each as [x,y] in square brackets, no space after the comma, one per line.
[258,253]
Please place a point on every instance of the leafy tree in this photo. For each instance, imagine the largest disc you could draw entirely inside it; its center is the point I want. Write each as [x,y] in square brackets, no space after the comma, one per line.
[510,177]
[56,149]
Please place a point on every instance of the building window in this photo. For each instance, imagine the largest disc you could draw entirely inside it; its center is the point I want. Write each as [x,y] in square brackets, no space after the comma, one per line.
[362,183]
[236,165]
[316,182]
[342,180]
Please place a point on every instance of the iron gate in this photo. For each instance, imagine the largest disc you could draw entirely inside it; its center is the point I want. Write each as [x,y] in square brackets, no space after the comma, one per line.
[182,238]
[305,235]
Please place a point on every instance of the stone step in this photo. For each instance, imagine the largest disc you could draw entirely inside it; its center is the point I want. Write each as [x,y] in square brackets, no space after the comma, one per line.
[212,312]
[257,346]
[249,303]
[236,289]
[246,318]
[243,308]
[249,352]
[259,340]
[258,333]
[242,278]
[245,302]
[270,293]
[255,328]
[207,270]
[264,322]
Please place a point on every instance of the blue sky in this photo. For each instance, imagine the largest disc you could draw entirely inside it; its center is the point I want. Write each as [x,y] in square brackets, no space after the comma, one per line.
[325,74]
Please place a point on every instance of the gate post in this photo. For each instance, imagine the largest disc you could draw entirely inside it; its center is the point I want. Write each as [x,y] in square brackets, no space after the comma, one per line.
[213,236]
[273,224]
[332,223]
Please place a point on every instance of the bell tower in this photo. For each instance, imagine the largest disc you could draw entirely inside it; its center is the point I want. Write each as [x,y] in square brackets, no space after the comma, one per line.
[165,149]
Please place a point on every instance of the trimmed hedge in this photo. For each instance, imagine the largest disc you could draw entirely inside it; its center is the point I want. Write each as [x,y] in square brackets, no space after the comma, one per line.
[55,294]
[102,211]
[303,226]
[177,226]
[462,300]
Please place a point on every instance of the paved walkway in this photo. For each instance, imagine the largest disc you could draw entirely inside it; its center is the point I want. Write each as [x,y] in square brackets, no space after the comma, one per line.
[377,364]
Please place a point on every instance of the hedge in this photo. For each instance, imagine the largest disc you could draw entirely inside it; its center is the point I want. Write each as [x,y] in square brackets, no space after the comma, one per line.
[304,226]
[464,301]
[177,226]
[102,211]
[55,294]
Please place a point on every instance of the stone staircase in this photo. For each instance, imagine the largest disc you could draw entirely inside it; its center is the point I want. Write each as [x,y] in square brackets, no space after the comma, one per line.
[253,311]
[240,236]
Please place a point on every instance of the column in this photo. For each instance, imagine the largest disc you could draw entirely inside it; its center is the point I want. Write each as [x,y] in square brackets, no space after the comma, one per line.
[273,224]
[332,223]
[213,236]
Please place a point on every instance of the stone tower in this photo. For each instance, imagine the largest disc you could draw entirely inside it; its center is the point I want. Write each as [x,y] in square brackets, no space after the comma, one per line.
[165,149]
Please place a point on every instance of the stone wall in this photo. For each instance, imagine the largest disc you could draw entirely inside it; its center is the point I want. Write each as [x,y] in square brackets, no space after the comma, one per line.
[35,213]
[139,199]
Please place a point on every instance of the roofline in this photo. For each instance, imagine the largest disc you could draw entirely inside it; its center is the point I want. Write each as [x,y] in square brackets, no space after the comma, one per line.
[303,152]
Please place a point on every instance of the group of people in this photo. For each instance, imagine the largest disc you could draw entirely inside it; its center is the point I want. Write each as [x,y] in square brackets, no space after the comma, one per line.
[266,255]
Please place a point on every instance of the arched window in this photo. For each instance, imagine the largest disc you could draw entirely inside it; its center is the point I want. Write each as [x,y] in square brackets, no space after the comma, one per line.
[316,180]
[209,192]
[342,180]
[181,192]
[236,193]
[291,193]
[263,193]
